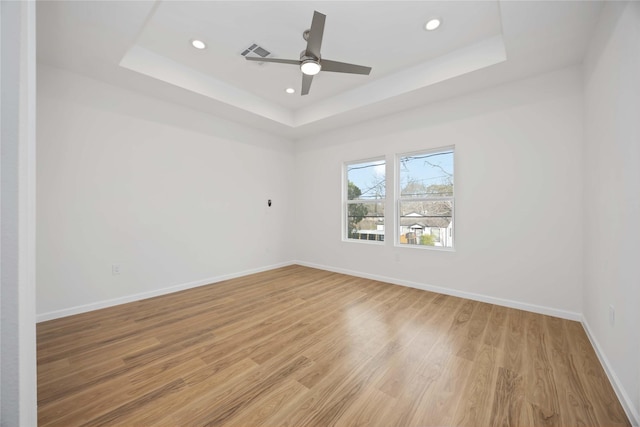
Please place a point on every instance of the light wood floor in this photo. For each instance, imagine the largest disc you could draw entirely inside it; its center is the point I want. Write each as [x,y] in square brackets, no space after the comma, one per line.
[303,347]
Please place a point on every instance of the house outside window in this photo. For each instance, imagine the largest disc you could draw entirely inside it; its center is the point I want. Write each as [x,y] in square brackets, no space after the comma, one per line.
[425,202]
[364,200]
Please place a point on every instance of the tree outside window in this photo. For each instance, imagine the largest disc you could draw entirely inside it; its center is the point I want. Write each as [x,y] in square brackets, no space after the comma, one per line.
[425,201]
[366,185]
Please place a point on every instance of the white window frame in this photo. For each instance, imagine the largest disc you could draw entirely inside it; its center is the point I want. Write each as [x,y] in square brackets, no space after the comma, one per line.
[346,202]
[399,199]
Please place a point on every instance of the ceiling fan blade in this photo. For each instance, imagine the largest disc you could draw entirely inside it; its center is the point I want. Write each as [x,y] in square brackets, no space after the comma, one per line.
[315,34]
[343,67]
[277,60]
[306,84]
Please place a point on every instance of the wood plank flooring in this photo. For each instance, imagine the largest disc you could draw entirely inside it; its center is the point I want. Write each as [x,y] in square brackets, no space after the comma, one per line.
[303,347]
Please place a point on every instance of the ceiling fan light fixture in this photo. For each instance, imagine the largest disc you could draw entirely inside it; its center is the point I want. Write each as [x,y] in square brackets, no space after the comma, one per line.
[432,24]
[198,44]
[310,67]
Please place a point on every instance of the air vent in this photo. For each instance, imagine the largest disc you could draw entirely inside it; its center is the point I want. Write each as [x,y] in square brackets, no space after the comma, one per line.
[256,51]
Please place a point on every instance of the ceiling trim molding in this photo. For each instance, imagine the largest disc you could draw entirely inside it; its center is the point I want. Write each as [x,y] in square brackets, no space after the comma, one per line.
[462,61]
[162,68]
[465,60]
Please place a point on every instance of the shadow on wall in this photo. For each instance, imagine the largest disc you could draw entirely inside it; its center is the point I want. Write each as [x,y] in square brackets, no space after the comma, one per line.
[65,85]
[490,100]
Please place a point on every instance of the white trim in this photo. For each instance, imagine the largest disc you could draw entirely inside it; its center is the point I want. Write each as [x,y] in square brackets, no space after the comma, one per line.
[150,294]
[18,402]
[27,195]
[345,196]
[366,242]
[549,311]
[623,396]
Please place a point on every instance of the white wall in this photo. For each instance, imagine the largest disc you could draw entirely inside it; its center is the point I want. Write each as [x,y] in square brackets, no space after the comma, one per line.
[612,195]
[547,200]
[518,191]
[173,196]
[17,215]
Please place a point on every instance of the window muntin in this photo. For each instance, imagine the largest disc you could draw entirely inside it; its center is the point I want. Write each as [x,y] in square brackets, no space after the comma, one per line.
[365,190]
[425,202]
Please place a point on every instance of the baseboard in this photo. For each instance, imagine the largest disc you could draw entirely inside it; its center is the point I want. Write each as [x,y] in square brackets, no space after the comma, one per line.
[570,315]
[447,291]
[157,292]
[623,396]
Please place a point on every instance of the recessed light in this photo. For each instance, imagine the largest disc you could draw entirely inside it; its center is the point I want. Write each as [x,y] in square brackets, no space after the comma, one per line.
[432,24]
[290,90]
[198,44]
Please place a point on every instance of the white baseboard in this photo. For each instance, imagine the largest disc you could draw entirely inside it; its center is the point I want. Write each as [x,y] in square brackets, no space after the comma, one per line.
[570,315]
[447,291]
[623,396]
[157,292]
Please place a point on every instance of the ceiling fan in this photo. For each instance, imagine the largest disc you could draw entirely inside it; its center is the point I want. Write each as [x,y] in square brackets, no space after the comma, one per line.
[311,62]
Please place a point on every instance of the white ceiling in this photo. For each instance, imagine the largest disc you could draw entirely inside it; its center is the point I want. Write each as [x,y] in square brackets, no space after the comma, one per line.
[145,46]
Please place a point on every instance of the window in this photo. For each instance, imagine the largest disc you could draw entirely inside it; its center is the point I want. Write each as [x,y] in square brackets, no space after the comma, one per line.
[364,195]
[425,199]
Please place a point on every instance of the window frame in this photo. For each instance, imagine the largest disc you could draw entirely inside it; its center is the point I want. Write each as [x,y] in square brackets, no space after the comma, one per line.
[346,202]
[399,199]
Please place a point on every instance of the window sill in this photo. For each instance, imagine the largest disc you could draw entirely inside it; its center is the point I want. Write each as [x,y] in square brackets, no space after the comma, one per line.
[425,247]
[364,242]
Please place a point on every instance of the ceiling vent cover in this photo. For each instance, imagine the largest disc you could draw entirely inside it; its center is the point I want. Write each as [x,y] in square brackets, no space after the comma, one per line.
[256,51]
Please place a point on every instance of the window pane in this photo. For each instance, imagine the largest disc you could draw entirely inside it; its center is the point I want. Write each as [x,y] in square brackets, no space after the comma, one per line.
[366,181]
[365,221]
[426,223]
[427,175]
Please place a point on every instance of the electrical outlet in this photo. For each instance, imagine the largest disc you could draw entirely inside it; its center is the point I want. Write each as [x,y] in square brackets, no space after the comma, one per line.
[115,269]
[612,315]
